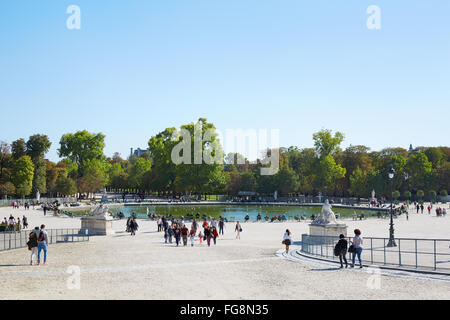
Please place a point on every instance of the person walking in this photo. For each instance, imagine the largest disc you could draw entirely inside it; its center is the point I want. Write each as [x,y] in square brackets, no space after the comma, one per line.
[166,235]
[170,233]
[11,223]
[208,235]
[238,230]
[177,233]
[200,236]
[214,234]
[133,226]
[421,208]
[357,248]
[33,244]
[221,225]
[19,225]
[25,222]
[341,250]
[42,244]
[192,234]
[287,240]
[184,234]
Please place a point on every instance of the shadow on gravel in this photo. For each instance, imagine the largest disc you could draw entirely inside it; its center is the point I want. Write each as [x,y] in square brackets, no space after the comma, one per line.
[13,265]
[326,269]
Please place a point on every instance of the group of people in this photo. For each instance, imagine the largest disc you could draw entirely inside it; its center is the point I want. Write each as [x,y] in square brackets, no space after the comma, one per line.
[13,224]
[341,248]
[355,249]
[178,230]
[38,241]
[132,225]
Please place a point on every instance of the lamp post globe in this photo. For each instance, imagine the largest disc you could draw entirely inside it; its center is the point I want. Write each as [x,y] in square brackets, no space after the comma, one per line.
[391,243]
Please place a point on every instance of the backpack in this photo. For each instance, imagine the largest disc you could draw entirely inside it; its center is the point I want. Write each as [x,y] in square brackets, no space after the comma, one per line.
[41,236]
[336,250]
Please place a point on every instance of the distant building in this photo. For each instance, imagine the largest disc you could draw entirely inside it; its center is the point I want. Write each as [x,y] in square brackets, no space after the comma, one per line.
[138,152]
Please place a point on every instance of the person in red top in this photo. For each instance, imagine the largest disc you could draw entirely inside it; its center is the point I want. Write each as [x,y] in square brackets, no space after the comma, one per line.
[205,224]
[214,234]
[184,234]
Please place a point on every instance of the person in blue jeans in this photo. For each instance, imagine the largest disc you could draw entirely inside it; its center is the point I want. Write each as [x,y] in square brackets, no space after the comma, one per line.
[357,244]
[42,244]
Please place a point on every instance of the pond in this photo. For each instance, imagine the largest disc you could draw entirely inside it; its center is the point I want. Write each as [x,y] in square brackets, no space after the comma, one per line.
[232,212]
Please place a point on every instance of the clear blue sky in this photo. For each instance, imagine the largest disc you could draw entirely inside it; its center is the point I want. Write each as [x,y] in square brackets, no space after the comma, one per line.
[137,67]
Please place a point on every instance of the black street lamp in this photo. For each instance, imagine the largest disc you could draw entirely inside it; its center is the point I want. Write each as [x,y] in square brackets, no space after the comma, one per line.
[391,242]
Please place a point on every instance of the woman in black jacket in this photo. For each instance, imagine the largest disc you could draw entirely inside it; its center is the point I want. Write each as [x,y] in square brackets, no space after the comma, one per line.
[341,250]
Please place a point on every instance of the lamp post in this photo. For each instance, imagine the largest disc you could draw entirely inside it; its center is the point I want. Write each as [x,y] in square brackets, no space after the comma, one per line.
[391,242]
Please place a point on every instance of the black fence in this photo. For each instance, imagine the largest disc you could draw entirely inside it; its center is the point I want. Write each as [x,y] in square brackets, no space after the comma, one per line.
[18,239]
[419,254]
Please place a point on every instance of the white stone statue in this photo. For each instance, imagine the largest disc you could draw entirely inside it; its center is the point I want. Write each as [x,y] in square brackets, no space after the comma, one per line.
[100,211]
[327,216]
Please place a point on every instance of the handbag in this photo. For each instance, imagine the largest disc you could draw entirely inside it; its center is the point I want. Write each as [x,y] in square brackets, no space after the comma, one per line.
[351,249]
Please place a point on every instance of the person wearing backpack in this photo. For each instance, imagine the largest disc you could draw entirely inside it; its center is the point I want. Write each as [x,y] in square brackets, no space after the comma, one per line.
[341,250]
[42,244]
[33,243]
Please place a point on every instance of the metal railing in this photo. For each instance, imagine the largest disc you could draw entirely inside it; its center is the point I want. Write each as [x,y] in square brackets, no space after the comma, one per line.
[18,239]
[419,254]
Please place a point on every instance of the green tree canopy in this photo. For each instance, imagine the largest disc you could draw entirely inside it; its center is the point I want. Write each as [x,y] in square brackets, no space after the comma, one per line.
[81,147]
[22,175]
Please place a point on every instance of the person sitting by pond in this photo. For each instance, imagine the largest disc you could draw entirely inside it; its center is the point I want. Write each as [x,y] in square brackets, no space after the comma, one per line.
[313,217]
[361,216]
[266,218]
[258,217]
[246,218]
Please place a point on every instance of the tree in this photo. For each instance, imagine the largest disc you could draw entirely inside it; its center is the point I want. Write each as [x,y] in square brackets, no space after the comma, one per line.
[358,183]
[5,157]
[138,173]
[94,176]
[65,185]
[326,171]
[36,147]
[420,193]
[443,193]
[202,177]
[247,181]
[418,168]
[164,171]
[325,144]
[22,175]
[286,181]
[18,149]
[7,188]
[82,147]
[432,195]
[407,194]
[396,194]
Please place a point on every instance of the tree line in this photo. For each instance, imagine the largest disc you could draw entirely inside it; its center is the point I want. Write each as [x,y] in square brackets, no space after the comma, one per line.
[326,168]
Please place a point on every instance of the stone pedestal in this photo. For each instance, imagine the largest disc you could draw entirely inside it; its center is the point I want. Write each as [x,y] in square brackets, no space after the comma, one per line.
[327,233]
[98,226]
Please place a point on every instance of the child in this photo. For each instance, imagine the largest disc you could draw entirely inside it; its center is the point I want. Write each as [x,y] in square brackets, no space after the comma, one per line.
[200,236]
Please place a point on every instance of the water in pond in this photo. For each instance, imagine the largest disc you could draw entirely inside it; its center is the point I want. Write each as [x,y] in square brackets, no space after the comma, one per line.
[234,212]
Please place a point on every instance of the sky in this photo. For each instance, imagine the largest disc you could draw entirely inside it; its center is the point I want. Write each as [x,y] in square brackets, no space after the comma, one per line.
[136,67]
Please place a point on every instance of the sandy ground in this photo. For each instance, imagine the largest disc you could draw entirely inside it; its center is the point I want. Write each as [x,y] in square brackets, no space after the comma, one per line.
[143,267]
